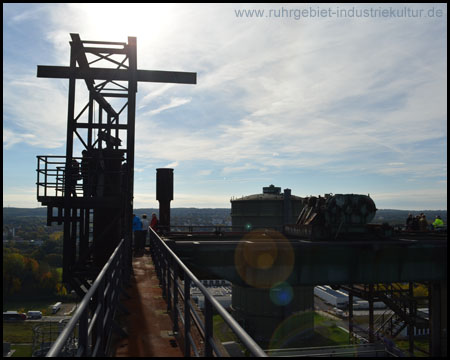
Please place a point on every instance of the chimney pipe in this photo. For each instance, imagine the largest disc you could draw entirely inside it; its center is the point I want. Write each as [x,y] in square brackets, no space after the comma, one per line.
[287,207]
[164,194]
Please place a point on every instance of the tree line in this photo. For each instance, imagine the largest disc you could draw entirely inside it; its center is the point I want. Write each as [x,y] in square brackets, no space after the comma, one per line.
[23,275]
[33,270]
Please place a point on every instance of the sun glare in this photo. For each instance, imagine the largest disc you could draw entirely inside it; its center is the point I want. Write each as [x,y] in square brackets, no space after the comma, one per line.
[118,21]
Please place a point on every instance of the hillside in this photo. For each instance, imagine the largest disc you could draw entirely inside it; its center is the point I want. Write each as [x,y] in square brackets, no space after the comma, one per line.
[195,216]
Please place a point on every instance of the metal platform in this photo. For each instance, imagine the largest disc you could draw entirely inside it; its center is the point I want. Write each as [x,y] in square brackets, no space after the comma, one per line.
[327,262]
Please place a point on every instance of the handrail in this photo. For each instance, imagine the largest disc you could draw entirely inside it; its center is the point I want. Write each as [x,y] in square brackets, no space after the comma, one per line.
[97,321]
[191,228]
[218,230]
[210,302]
[51,174]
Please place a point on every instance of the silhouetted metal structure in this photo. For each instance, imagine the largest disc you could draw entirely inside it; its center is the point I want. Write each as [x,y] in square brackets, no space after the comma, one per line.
[164,194]
[97,213]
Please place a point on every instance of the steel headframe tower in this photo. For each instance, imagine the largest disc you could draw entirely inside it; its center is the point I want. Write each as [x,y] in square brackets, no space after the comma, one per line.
[99,214]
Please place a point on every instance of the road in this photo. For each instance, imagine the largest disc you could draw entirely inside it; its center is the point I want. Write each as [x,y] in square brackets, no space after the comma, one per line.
[65,312]
[53,318]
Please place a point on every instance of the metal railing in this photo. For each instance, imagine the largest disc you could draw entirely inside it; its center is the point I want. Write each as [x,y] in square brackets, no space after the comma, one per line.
[170,271]
[203,229]
[210,230]
[356,350]
[52,175]
[92,322]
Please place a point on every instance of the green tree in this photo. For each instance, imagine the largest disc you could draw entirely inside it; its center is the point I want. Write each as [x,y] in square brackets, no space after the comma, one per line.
[54,260]
[13,273]
[49,281]
[38,254]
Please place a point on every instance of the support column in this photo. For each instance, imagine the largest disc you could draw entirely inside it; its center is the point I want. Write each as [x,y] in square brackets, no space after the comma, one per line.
[68,254]
[275,318]
[350,316]
[438,318]
[411,317]
[371,335]
[131,118]
[106,224]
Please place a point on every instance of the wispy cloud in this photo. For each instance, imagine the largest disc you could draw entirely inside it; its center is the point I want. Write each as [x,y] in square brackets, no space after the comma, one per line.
[205,172]
[35,112]
[175,102]
[172,164]
[335,96]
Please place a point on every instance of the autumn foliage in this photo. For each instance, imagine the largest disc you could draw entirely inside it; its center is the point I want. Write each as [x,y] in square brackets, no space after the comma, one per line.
[26,276]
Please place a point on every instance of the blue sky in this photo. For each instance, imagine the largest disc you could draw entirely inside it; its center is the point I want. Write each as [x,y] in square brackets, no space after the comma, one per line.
[336,104]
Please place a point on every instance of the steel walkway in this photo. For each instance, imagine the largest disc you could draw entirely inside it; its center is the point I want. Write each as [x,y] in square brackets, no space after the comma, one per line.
[148,325]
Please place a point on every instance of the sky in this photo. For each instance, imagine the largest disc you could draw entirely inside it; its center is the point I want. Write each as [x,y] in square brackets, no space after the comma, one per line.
[317,98]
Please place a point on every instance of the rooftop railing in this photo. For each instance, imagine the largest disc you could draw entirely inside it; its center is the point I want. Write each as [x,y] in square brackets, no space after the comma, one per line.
[196,328]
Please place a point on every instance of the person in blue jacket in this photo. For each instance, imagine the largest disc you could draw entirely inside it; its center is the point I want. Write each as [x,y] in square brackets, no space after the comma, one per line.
[137,227]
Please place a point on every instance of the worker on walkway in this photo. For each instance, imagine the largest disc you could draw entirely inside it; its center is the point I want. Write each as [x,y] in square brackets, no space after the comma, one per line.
[137,227]
[438,223]
[154,227]
[145,226]
[409,222]
[72,176]
[154,222]
[423,223]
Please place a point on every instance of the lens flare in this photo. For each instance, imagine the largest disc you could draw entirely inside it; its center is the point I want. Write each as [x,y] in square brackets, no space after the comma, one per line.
[264,258]
[295,328]
[281,294]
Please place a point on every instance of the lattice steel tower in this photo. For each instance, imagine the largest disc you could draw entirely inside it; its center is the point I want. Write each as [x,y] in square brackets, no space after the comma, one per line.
[92,192]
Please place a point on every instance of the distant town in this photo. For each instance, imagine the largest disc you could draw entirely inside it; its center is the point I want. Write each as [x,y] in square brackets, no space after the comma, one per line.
[22,224]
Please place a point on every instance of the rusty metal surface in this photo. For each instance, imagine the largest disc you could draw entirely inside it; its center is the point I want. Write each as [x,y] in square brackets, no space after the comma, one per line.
[148,325]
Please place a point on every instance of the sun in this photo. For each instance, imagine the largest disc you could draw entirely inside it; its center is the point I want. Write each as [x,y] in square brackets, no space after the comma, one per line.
[117,21]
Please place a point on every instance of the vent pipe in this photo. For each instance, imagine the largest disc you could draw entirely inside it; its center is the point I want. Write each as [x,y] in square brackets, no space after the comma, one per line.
[164,194]
[287,207]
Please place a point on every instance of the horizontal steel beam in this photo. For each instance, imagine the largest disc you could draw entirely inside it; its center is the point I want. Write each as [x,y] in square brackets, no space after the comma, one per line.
[101,126]
[64,72]
[103,50]
[317,263]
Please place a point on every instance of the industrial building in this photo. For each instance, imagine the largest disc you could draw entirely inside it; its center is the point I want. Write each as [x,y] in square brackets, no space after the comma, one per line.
[340,299]
[222,293]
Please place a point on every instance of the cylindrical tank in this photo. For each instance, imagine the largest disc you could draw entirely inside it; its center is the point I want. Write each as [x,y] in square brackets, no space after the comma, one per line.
[271,209]
[275,313]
